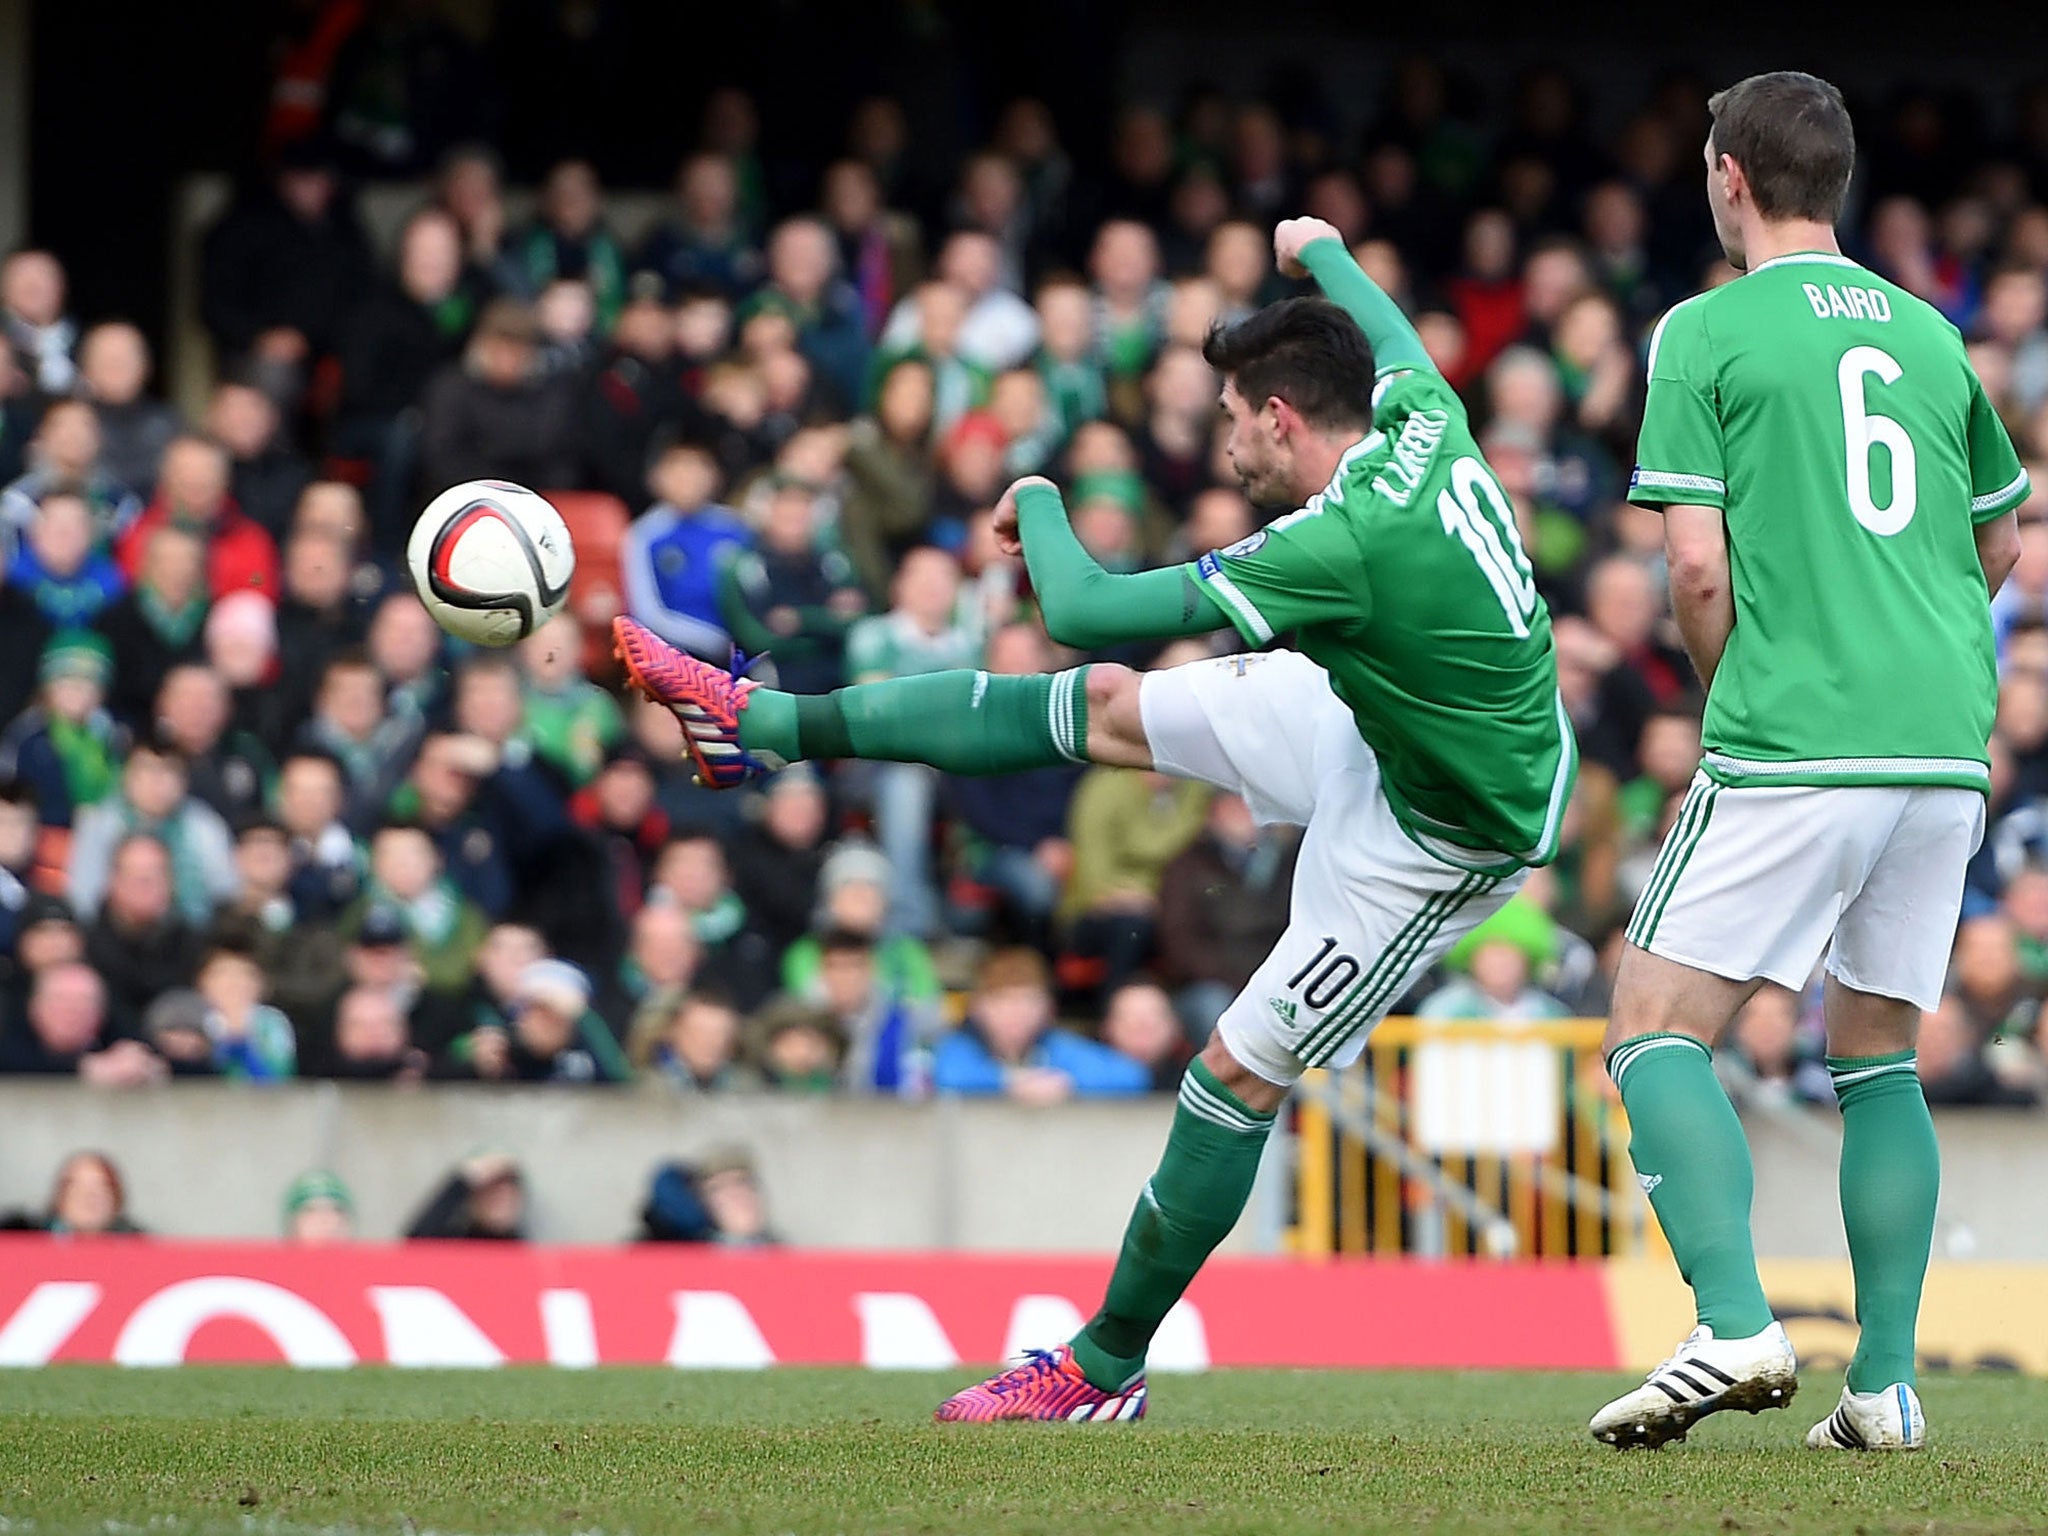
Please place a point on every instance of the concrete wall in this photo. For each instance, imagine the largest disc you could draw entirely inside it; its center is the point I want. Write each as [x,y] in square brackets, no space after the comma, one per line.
[207,1159]
[212,1160]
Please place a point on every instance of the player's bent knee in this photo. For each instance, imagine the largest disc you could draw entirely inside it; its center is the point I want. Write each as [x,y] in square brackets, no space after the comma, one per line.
[1254,1091]
[1116,727]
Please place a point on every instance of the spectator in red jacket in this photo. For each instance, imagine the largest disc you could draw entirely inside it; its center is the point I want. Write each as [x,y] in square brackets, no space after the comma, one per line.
[192,492]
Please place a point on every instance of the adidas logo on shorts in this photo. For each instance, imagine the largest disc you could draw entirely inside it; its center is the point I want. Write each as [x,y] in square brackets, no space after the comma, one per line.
[1285,1009]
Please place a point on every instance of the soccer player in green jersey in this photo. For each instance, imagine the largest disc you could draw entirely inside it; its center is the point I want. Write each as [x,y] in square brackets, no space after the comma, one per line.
[1417,734]
[1838,504]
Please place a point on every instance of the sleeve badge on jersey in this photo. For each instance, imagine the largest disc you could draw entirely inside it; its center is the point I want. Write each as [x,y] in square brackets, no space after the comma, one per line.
[1245,545]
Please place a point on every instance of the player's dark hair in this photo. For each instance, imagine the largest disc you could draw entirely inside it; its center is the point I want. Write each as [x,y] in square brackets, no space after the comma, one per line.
[1791,134]
[1306,351]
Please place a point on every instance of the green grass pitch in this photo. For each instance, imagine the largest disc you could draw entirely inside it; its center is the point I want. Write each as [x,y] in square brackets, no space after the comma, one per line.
[254,1451]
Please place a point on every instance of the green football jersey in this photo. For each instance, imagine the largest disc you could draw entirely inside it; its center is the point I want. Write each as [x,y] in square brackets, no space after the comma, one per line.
[1405,580]
[1835,420]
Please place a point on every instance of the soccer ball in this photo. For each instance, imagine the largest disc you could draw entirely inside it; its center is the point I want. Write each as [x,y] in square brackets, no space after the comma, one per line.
[491,561]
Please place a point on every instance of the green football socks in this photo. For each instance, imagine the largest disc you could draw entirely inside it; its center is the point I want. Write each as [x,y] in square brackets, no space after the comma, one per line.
[1693,1161]
[1193,1200]
[961,722]
[1891,1175]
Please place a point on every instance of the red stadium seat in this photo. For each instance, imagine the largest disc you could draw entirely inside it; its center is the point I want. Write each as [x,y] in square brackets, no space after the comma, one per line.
[597,525]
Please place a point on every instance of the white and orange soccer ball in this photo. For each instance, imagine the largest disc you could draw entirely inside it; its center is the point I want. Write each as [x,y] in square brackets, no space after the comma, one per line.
[491,560]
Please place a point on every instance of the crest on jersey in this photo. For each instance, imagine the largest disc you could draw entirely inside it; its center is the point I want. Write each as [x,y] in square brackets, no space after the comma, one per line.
[1245,545]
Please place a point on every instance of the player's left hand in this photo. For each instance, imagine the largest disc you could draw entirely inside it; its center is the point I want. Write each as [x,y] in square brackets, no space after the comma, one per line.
[1291,235]
[1009,538]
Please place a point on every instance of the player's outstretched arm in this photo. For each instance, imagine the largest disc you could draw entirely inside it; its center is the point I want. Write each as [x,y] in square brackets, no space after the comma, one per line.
[1085,606]
[1314,247]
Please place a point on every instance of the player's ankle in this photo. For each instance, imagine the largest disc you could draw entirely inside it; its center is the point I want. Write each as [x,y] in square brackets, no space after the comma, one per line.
[1105,1372]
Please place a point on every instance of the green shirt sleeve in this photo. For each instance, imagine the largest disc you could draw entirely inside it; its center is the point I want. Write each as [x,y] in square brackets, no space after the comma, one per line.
[1998,483]
[1679,452]
[1085,606]
[1394,341]
[1305,569]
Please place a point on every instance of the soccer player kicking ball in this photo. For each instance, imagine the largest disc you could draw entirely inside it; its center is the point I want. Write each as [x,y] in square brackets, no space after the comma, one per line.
[1838,504]
[1417,734]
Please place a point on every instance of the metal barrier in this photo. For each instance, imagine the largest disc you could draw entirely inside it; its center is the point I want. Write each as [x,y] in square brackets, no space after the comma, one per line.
[1479,1138]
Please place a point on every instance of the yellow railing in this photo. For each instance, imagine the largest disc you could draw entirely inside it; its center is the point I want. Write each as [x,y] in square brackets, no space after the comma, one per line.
[1468,1138]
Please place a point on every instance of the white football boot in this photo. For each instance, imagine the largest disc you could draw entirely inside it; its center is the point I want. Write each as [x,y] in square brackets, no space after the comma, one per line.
[1705,1376]
[1885,1420]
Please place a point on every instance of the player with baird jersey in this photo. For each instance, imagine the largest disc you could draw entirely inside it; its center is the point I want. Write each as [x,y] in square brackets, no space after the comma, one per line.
[1839,505]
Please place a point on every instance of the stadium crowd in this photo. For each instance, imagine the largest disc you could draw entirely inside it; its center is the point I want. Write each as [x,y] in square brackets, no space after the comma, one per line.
[259,818]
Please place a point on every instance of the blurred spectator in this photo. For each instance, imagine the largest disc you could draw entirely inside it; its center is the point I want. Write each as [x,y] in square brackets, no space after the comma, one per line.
[485,1197]
[496,415]
[663,962]
[1495,986]
[317,618]
[299,953]
[1009,1044]
[1068,358]
[372,1038]
[407,879]
[853,896]
[350,724]
[555,1035]
[63,750]
[444,1020]
[139,941]
[192,494]
[804,285]
[890,467]
[405,644]
[326,868]
[674,551]
[1130,306]
[1140,1023]
[879,248]
[1173,441]
[397,340]
[570,722]
[1952,1067]
[113,372]
[694,1046]
[797,1046]
[59,566]
[65,1029]
[87,1199]
[153,801]
[716,1199]
[251,1040]
[160,621]
[792,595]
[1768,1059]
[227,768]
[281,270]
[240,637]
[704,243]
[618,810]
[568,240]
[777,856]
[1125,827]
[1013,826]
[32,315]
[926,630]
[633,398]
[888,1033]
[694,874]
[20,831]
[996,329]
[176,1026]
[20,406]
[318,1210]
[1223,906]
[265,477]
[64,455]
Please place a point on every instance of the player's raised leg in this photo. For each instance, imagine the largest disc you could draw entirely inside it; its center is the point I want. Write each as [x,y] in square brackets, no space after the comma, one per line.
[959,721]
